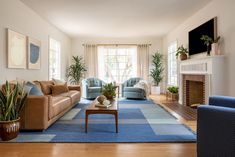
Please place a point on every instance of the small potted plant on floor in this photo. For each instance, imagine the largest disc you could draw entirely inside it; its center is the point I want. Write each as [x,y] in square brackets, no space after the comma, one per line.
[156,72]
[12,100]
[109,91]
[182,52]
[76,70]
[173,92]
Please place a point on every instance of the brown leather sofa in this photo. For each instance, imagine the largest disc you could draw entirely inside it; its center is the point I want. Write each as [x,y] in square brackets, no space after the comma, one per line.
[42,111]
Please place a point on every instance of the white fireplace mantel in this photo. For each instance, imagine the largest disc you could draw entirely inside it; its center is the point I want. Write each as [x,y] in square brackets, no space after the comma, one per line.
[213,69]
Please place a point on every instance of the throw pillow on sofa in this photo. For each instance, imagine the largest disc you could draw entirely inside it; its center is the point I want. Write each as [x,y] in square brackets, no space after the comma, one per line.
[33,89]
[58,82]
[59,89]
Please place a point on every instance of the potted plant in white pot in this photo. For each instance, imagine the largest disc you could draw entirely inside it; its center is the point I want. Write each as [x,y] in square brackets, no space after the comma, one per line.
[156,72]
[182,52]
[76,70]
[12,100]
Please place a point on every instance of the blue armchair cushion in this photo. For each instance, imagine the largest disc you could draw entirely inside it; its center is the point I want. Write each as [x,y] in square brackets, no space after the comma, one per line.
[224,101]
[133,89]
[94,89]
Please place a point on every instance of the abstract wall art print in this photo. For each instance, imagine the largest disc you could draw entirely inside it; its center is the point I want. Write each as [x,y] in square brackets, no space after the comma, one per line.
[16,49]
[34,53]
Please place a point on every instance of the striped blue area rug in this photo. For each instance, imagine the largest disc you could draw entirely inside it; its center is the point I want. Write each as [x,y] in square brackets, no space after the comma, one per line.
[139,121]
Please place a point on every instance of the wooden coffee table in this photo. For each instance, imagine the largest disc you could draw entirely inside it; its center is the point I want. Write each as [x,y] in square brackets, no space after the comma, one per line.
[92,109]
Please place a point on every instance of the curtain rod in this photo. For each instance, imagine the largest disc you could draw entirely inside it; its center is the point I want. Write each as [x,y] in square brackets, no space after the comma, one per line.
[118,44]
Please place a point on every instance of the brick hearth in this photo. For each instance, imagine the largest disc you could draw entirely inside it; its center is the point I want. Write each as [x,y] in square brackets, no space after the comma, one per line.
[193,89]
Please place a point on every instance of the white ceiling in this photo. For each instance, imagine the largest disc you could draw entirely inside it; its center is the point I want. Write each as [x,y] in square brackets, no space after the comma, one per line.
[115,18]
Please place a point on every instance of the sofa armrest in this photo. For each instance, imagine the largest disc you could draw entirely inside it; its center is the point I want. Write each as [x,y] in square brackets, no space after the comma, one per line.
[74,87]
[224,101]
[35,113]
[215,131]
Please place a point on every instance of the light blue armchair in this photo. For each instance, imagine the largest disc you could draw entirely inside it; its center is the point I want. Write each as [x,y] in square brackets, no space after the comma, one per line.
[91,88]
[129,91]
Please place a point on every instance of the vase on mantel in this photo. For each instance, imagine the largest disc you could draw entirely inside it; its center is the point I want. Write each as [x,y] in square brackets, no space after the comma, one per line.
[215,49]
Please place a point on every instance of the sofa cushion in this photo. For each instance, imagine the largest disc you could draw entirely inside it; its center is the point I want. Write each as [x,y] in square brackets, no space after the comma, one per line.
[46,87]
[59,104]
[94,89]
[74,95]
[34,90]
[58,82]
[132,89]
[59,89]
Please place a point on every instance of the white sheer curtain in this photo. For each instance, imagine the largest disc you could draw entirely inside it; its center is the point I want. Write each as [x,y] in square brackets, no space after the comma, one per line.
[143,61]
[91,61]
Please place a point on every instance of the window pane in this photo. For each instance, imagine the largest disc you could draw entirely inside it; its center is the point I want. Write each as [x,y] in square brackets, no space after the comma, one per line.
[172,64]
[117,64]
[54,59]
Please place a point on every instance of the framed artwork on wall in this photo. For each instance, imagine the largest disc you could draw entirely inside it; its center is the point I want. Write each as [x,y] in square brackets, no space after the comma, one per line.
[34,53]
[16,50]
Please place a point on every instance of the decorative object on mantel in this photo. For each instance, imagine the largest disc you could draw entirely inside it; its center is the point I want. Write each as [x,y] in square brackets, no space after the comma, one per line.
[76,70]
[182,51]
[34,56]
[16,44]
[207,41]
[157,72]
[12,101]
[215,47]
[210,43]
[173,93]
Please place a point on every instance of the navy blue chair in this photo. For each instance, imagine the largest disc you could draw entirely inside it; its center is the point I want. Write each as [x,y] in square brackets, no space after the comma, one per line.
[216,128]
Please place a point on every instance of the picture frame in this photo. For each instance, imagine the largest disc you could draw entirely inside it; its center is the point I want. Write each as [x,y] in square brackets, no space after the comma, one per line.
[34,53]
[16,50]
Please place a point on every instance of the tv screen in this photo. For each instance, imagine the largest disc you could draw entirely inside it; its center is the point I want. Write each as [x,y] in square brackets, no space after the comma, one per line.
[196,45]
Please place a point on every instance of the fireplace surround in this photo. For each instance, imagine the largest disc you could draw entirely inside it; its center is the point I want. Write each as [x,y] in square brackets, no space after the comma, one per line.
[201,78]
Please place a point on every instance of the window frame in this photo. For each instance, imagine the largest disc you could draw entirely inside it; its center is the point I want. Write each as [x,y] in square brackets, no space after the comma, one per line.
[170,59]
[117,78]
[49,56]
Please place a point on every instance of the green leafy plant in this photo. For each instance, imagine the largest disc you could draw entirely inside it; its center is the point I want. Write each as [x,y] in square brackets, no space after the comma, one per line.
[157,72]
[76,70]
[216,39]
[181,51]
[173,89]
[12,101]
[109,90]
[207,40]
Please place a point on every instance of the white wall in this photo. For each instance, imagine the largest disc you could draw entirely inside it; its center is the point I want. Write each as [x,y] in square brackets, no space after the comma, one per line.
[225,11]
[156,44]
[18,17]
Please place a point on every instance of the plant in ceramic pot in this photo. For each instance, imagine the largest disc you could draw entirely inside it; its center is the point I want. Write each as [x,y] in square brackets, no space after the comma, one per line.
[109,91]
[182,52]
[156,72]
[12,100]
[76,70]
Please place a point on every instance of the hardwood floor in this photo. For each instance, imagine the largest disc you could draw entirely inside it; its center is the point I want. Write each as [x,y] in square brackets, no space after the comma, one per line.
[102,149]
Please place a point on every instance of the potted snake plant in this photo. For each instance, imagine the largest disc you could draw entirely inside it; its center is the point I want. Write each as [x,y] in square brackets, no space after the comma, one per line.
[12,100]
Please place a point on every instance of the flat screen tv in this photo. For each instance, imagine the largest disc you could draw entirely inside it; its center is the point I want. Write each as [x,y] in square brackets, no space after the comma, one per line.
[196,45]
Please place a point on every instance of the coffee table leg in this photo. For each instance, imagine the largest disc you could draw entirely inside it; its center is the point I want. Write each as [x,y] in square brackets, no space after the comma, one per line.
[86,125]
[116,119]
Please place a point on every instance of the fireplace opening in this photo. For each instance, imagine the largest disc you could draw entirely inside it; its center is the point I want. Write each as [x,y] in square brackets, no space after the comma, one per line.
[194,90]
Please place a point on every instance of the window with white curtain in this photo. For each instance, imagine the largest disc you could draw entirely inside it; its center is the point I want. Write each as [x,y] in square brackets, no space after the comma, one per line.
[54,59]
[117,63]
[172,64]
